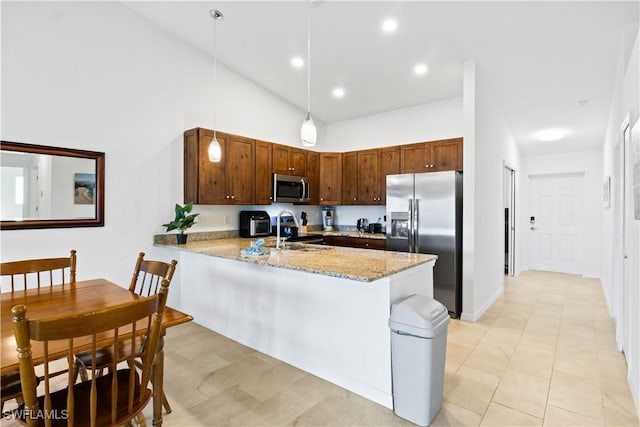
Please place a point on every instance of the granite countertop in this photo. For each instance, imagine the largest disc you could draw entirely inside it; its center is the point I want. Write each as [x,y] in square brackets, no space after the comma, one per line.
[354,234]
[363,265]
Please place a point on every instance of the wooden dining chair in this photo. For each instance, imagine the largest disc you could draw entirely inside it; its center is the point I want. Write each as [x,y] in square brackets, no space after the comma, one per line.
[112,399]
[36,273]
[148,277]
[27,274]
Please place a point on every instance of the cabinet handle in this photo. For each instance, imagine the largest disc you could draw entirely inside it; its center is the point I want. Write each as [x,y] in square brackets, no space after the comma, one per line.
[227,197]
[431,165]
[233,197]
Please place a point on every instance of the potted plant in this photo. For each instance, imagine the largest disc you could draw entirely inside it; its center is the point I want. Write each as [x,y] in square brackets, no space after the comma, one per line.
[184,219]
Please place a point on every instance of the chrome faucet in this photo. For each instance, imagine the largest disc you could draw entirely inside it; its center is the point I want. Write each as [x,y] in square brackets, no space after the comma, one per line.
[284,211]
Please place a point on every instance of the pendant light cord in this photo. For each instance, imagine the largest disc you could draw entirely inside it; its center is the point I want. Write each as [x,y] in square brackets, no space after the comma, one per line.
[309,62]
[215,71]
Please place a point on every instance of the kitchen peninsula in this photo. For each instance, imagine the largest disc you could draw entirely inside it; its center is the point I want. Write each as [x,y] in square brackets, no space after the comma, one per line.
[323,309]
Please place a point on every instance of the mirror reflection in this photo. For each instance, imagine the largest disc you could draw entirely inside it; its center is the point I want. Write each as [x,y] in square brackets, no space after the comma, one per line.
[50,187]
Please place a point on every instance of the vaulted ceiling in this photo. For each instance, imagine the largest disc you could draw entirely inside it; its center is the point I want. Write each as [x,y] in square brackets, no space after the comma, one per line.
[550,64]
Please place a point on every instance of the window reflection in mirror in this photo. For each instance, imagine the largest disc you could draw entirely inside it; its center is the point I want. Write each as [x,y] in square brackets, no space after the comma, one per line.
[46,187]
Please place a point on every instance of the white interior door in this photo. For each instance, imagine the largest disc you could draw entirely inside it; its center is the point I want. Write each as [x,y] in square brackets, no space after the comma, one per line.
[555,235]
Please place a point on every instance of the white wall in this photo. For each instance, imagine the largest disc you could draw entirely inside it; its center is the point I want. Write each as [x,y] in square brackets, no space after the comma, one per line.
[625,103]
[427,122]
[488,145]
[96,76]
[589,163]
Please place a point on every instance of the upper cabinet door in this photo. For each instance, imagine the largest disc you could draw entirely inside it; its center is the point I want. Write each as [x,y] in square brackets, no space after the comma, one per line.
[447,154]
[298,161]
[240,170]
[415,158]
[350,178]
[331,178]
[313,172]
[263,176]
[281,159]
[212,177]
[388,164]
[367,177]
[289,160]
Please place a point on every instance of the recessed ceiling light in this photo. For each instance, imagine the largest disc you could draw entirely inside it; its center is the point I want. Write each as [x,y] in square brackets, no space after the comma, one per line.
[389,25]
[338,92]
[420,69]
[297,62]
[551,134]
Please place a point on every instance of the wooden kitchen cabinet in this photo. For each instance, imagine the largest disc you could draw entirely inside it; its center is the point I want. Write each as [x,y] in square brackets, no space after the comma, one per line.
[330,179]
[230,181]
[289,160]
[313,172]
[350,178]
[263,176]
[447,154]
[388,164]
[373,168]
[367,177]
[432,156]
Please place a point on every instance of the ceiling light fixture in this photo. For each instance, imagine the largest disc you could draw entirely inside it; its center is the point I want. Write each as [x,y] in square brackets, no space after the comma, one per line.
[338,92]
[308,133]
[389,25]
[297,62]
[215,152]
[420,69]
[551,134]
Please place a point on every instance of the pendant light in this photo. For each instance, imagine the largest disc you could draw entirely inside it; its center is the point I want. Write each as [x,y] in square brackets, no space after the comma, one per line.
[308,132]
[215,152]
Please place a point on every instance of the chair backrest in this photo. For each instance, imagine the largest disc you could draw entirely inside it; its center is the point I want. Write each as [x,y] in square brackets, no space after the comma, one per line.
[32,273]
[104,400]
[148,275]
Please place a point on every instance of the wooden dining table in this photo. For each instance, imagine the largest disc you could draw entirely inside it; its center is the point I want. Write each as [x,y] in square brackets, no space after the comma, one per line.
[69,299]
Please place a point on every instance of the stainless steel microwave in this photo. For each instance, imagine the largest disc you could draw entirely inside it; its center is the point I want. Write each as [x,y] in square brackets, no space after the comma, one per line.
[290,188]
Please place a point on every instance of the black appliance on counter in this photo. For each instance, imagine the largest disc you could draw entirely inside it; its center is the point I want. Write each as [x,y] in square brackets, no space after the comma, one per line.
[254,224]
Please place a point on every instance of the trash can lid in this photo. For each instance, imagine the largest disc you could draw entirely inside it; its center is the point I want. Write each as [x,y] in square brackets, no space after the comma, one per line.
[419,315]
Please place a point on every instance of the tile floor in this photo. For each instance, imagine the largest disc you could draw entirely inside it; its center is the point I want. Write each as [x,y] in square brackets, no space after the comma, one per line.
[543,354]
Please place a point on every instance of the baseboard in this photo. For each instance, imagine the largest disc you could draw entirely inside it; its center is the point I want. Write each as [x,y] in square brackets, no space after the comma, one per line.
[476,315]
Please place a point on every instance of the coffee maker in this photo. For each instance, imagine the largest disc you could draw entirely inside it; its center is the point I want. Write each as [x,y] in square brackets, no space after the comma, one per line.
[328,218]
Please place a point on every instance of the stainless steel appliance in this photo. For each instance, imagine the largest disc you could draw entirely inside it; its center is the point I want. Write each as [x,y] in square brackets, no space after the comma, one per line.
[254,224]
[328,218]
[290,188]
[424,214]
[362,224]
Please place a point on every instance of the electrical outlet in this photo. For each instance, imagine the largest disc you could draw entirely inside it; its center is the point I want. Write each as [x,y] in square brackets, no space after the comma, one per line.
[227,219]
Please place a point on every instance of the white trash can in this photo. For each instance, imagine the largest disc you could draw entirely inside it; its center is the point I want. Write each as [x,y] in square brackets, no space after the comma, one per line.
[418,347]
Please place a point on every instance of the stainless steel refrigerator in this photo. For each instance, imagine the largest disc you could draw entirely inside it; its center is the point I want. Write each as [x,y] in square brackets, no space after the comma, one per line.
[424,215]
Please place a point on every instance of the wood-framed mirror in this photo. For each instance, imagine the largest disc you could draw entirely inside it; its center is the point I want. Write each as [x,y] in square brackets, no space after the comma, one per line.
[50,187]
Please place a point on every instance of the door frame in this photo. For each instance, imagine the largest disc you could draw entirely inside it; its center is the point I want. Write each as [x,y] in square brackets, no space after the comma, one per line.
[620,284]
[511,227]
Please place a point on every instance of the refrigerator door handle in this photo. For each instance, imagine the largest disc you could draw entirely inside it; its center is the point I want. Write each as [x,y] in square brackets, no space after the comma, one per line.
[416,221]
[410,225]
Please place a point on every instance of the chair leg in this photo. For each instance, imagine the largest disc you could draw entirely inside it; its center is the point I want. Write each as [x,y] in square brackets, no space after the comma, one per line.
[78,366]
[165,401]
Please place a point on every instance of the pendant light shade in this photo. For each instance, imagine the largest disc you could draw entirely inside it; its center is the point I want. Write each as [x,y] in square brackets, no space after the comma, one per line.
[215,151]
[308,133]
